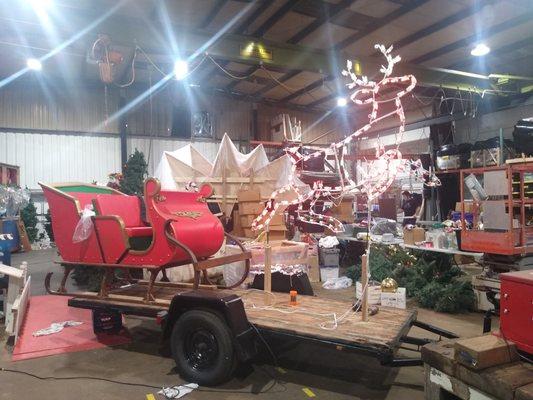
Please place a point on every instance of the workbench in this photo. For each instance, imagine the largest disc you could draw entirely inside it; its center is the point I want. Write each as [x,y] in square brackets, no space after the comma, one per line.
[447,379]
[399,242]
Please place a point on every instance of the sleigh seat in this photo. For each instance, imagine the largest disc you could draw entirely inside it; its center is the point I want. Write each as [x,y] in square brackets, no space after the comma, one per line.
[128,209]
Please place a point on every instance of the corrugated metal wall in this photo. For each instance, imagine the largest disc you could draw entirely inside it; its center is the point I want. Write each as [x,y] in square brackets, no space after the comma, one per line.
[60,158]
[84,109]
[81,158]
[50,108]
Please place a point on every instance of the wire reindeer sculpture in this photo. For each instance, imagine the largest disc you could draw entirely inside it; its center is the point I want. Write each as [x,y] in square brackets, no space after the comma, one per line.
[380,173]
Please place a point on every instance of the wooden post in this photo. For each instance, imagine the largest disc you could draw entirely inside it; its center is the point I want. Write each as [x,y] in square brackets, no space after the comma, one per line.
[267,287]
[224,196]
[364,283]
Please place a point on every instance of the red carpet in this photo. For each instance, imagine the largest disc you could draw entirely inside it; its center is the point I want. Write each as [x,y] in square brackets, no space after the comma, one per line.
[43,311]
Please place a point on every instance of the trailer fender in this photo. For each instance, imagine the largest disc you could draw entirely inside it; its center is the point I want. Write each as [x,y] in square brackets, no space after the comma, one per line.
[226,305]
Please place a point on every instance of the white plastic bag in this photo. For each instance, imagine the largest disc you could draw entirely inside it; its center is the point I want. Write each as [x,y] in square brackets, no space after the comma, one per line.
[328,242]
[342,282]
[84,227]
[56,327]
[233,272]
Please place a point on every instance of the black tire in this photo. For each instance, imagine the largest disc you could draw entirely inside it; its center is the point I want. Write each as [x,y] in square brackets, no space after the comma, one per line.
[202,348]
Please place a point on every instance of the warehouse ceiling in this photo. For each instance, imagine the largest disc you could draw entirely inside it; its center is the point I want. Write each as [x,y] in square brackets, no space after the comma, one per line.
[281,51]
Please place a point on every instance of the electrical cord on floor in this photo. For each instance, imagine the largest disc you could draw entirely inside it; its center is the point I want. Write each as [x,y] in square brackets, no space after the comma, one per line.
[275,382]
[66,378]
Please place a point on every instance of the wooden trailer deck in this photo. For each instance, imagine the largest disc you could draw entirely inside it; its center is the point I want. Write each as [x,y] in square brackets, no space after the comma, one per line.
[312,318]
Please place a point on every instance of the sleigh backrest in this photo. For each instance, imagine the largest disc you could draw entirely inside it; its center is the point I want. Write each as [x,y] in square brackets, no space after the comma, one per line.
[126,207]
[66,203]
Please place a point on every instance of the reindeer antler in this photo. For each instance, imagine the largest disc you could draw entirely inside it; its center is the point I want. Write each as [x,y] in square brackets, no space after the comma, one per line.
[364,82]
[387,71]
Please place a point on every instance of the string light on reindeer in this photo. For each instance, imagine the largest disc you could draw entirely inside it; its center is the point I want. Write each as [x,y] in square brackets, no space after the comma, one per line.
[381,172]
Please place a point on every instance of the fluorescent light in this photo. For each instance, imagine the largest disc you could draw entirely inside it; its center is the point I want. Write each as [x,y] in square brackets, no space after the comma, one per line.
[341,101]
[480,49]
[181,69]
[34,64]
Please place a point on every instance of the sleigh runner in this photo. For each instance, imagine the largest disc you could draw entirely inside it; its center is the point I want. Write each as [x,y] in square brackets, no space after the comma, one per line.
[179,230]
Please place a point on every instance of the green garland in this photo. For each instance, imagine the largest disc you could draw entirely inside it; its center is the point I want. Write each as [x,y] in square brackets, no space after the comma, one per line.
[430,277]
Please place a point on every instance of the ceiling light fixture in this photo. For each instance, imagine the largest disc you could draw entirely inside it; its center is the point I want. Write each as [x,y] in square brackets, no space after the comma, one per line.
[181,69]
[480,49]
[341,101]
[34,64]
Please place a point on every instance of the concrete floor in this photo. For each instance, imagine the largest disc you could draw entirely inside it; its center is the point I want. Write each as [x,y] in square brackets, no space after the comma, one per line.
[329,374]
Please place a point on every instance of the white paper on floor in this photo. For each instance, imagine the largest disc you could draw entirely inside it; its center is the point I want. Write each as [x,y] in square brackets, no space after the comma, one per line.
[56,327]
[177,392]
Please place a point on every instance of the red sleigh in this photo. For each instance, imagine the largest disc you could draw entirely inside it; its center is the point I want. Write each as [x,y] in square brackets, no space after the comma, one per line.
[180,230]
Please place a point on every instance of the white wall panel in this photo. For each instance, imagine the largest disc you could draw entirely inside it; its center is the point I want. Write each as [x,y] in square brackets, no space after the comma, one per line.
[207,148]
[81,158]
[60,158]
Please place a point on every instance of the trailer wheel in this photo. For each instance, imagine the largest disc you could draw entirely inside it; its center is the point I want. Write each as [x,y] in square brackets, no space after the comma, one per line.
[202,347]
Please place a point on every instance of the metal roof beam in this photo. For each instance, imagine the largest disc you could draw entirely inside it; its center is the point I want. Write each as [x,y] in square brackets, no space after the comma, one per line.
[213,13]
[331,11]
[437,26]
[127,31]
[381,22]
[470,40]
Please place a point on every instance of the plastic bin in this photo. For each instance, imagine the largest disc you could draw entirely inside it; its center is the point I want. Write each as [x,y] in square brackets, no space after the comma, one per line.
[329,257]
[9,226]
[328,272]
[105,321]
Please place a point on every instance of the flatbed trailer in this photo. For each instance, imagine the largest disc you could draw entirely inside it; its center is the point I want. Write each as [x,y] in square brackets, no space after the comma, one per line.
[199,323]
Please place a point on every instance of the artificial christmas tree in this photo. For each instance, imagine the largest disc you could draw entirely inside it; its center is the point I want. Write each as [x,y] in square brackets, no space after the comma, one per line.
[135,172]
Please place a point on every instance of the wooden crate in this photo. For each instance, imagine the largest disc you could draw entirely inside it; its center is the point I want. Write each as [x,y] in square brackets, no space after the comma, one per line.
[484,351]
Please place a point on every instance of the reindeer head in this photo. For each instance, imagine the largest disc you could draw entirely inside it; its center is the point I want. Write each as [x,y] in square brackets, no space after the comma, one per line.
[368,91]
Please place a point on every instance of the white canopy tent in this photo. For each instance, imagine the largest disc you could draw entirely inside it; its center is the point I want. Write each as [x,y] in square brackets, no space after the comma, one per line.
[231,171]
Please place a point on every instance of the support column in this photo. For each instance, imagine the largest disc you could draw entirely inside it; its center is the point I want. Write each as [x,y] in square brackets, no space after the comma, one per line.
[123,130]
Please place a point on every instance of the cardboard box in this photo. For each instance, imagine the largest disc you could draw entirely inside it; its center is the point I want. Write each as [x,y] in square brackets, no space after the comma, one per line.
[396,299]
[277,228]
[237,227]
[484,351]
[415,235]
[253,195]
[249,233]
[344,211]
[246,220]
[250,208]
[374,293]
[277,235]
[469,206]
[278,219]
